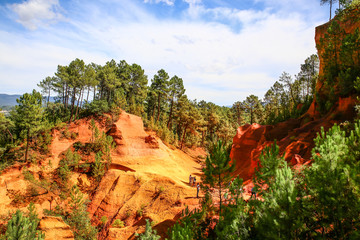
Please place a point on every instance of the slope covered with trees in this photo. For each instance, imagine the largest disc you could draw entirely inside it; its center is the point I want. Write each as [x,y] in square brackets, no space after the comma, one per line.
[286,203]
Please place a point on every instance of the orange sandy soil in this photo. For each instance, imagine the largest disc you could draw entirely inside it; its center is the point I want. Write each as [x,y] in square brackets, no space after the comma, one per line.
[142,178]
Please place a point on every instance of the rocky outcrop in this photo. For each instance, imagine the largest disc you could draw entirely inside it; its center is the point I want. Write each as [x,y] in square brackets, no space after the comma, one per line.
[294,138]
[332,34]
[151,140]
[116,134]
[55,228]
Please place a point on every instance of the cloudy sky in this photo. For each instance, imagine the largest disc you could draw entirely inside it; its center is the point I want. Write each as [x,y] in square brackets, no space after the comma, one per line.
[224,50]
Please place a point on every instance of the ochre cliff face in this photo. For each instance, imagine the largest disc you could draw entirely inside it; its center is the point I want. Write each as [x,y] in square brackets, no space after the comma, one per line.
[332,34]
[348,25]
[146,180]
[295,137]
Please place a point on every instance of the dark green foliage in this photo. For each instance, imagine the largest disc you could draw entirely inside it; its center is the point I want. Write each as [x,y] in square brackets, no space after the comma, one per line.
[253,108]
[78,218]
[67,164]
[183,231]
[218,167]
[234,223]
[28,116]
[268,164]
[98,168]
[279,216]
[21,227]
[333,182]
[97,107]
[236,190]
[320,202]
[149,233]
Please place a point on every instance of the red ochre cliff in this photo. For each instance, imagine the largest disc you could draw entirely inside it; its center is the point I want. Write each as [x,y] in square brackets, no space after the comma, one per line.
[295,136]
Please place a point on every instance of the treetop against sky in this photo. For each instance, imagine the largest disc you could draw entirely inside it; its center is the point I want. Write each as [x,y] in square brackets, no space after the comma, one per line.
[223,50]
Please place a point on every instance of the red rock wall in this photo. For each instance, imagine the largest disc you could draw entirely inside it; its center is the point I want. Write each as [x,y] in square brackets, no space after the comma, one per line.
[295,137]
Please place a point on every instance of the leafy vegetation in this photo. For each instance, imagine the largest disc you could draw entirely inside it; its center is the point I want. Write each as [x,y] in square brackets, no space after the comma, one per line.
[149,233]
[321,201]
[23,226]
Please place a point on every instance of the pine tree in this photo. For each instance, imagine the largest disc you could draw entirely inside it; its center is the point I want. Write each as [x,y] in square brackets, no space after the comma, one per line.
[28,115]
[98,168]
[268,164]
[279,216]
[176,90]
[218,166]
[254,108]
[159,86]
[332,183]
[149,233]
[21,227]
[182,231]
[78,218]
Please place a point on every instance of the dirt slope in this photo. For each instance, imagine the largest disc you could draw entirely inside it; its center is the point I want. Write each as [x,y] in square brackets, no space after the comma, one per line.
[146,180]
[143,182]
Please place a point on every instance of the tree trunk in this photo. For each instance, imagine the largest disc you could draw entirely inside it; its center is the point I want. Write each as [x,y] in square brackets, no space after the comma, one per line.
[159,98]
[12,139]
[87,97]
[66,96]
[48,98]
[251,116]
[94,93]
[220,195]
[153,113]
[183,137]
[82,97]
[72,104]
[27,145]
[170,114]
[63,94]
[202,138]
[77,105]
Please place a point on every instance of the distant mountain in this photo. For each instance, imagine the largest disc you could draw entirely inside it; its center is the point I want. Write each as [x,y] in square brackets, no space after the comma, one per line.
[8,100]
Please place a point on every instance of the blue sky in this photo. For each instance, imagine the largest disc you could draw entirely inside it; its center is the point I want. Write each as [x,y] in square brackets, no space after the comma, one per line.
[223,50]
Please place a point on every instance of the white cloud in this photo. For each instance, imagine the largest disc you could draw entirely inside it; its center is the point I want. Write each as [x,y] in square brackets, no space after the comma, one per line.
[216,63]
[167,2]
[36,13]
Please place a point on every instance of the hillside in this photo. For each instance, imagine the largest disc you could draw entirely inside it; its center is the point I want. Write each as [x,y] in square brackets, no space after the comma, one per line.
[8,100]
[94,170]
[145,176]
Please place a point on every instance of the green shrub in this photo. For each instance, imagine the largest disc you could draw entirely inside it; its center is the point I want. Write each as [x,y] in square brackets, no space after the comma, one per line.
[97,107]
[118,223]
[98,167]
[21,227]
[149,233]
[103,220]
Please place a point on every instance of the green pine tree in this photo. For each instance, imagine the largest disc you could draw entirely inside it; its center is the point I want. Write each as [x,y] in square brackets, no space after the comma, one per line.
[21,227]
[218,167]
[28,116]
[149,233]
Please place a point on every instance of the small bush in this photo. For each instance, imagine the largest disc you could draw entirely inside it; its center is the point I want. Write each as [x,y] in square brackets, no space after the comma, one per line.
[66,133]
[161,189]
[103,220]
[118,223]
[140,211]
[74,135]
